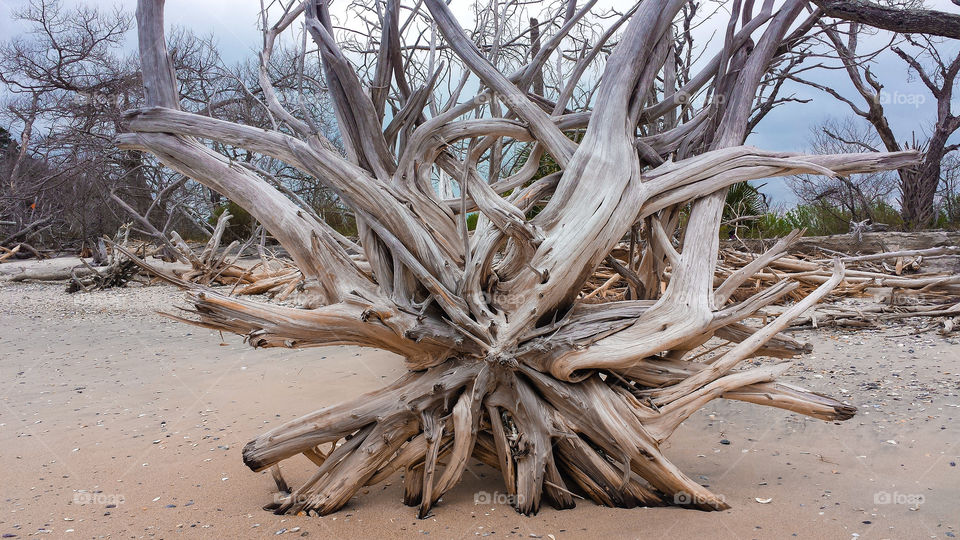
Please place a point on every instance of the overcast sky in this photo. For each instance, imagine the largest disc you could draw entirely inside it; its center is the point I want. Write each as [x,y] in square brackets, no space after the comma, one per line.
[233,23]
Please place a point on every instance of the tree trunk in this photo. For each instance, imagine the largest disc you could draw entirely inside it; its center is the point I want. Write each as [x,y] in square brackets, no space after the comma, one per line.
[903,21]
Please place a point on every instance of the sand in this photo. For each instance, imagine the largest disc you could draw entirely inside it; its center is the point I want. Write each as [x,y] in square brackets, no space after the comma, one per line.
[118,423]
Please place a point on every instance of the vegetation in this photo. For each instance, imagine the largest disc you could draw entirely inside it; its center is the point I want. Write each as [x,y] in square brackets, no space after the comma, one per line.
[241,226]
[820,219]
[59,164]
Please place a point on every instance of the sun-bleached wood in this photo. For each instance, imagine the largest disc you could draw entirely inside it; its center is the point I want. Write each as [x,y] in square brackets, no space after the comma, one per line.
[506,363]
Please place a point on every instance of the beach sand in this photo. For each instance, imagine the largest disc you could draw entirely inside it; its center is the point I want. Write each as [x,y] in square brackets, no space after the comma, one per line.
[118,423]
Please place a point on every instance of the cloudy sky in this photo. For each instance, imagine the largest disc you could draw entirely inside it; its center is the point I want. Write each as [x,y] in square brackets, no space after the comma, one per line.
[233,23]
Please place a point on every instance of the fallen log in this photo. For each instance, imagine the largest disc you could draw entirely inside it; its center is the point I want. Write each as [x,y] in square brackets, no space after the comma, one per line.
[861,316]
[58,274]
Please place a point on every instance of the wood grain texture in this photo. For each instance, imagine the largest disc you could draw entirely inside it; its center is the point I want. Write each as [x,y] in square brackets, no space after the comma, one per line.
[508,362]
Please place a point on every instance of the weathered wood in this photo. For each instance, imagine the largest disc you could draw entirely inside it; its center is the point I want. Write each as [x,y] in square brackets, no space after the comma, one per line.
[507,362]
[10,252]
[59,274]
[901,20]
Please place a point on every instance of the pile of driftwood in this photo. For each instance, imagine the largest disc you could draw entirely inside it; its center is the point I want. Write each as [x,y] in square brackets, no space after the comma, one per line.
[114,262]
[215,266]
[117,269]
[110,265]
[903,283]
[902,278]
[273,276]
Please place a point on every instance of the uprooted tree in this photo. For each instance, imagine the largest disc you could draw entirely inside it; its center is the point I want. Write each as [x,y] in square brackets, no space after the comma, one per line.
[505,365]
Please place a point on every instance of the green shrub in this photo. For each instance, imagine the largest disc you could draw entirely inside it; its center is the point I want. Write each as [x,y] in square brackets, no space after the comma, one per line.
[341,221]
[241,225]
[949,215]
[819,219]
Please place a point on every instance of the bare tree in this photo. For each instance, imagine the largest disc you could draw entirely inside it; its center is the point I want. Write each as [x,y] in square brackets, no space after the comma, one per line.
[505,364]
[949,194]
[68,81]
[857,197]
[41,86]
[67,86]
[918,184]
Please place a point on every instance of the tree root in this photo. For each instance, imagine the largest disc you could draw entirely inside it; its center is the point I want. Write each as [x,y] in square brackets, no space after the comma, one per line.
[551,440]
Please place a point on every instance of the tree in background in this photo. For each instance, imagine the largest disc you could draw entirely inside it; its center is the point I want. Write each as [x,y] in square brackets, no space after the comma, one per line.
[858,198]
[69,80]
[918,185]
[949,194]
[67,86]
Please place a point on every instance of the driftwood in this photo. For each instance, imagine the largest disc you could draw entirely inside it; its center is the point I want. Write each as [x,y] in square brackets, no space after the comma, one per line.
[8,253]
[117,270]
[214,265]
[168,250]
[115,274]
[211,267]
[59,274]
[866,316]
[899,277]
[506,363]
[211,264]
[903,21]
[847,245]
[25,231]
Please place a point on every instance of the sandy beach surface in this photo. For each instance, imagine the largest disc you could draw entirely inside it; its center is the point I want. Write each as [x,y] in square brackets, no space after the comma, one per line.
[118,423]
